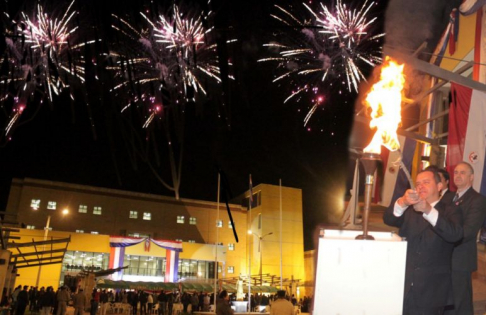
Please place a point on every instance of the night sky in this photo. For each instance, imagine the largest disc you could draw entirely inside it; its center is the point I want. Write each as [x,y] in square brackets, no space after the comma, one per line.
[266,138]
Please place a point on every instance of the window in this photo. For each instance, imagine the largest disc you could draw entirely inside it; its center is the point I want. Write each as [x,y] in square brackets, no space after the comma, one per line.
[97,210]
[191,241]
[230,225]
[79,231]
[51,205]
[192,220]
[219,223]
[94,232]
[219,269]
[136,234]
[30,227]
[133,214]
[83,209]
[178,240]
[220,244]
[180,219]
[231,246]
[35,204]
[231,269]
[259,221]
[147,216]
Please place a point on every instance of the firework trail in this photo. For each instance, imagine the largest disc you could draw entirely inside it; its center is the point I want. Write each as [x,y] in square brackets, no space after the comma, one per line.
[43,56]
[329,45]
[168,62]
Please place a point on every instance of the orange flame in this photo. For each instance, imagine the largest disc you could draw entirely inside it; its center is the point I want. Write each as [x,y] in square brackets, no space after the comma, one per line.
[385,100]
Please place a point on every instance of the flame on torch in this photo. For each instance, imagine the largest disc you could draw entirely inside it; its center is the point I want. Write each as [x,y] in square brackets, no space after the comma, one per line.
[385,100]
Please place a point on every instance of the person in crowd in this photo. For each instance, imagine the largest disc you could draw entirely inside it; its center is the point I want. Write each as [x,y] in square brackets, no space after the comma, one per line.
[15,294]
[142,298]
[282,306]
[134,302]
[186,300]
[430,226]
[150,303]
[194,302]
[464,257]
[22,301]
[171,299]
[95,301]
[222,304]
[79,302]
[62,300]
[103,302]
[162,300]
[206,300]
[47,301]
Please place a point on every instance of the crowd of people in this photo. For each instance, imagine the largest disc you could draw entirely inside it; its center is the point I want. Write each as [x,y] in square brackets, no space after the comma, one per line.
[46,301]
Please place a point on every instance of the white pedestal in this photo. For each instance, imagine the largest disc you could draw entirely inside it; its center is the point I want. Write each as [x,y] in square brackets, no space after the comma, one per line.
[360,277]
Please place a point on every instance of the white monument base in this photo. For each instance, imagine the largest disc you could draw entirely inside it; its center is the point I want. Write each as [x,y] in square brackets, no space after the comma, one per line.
[360,276]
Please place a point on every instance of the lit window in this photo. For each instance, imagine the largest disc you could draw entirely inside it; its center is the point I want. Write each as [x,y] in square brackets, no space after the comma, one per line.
[191,241]
[133,214]
[97,210]
[180,219]
[30,227]
[219,223]
[94,232]
[230,225]
[83,209]
[231,269]
[35,204]
[134,234]
[178,240]
[147,216]
[219,269]
[231,246]
[51,205]
[79,231]
[192,220]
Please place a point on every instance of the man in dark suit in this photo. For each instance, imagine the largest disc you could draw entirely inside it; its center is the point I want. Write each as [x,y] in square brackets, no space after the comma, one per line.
[430,227]
[464,258]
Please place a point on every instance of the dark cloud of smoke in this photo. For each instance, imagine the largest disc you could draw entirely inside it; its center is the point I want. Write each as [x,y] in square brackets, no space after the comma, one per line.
[409,23]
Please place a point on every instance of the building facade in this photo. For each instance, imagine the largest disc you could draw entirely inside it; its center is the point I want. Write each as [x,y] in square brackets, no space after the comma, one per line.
[95,214]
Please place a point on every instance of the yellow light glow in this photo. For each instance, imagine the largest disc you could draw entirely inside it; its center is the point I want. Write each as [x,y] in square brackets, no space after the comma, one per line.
[65,211]
[385,100]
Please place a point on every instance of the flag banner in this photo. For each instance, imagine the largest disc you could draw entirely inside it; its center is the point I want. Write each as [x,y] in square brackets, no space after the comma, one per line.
[171,245]
[467,132]
[123,241]
[468,7]
[479,70]
[117,257]
[171,266]
[395,182]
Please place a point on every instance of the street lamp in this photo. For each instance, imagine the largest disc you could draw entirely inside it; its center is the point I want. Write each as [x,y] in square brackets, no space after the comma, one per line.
[46,231]
[260,239]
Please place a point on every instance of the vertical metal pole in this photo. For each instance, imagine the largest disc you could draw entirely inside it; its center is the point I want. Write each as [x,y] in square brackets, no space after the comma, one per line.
[46,231]
[281,252]
[216,247]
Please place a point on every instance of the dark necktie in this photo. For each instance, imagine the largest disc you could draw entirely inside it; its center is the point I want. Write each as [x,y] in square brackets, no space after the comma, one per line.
[455,198]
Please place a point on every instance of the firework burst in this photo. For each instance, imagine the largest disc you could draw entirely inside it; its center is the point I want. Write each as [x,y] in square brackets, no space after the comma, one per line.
[43,56]
[329,46]
[169,61]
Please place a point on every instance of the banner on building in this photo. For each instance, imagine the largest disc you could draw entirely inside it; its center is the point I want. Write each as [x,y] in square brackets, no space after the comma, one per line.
[117,254]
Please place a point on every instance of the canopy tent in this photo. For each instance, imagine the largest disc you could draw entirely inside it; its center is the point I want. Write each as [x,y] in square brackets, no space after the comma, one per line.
[184,286]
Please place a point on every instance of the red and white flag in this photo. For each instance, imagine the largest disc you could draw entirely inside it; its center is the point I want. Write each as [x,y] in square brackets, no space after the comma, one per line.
[467,132]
